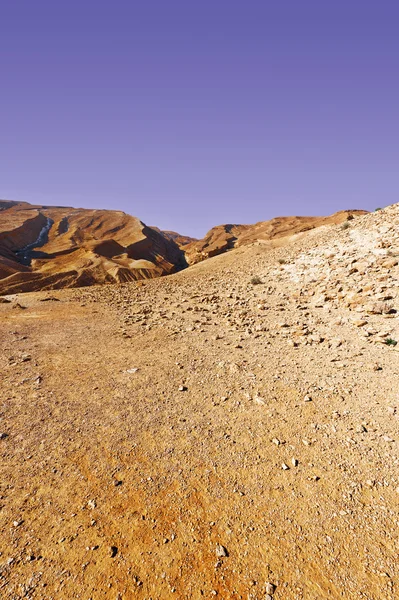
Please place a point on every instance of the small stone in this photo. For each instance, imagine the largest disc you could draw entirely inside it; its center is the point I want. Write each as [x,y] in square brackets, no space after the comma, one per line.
[259,400]
[285,467]
[17,523]
[294,462]
[113,551]
[270,588]
[360,323]
[221,551]
[276,441]
[182,388]
[307,398]
[92,504]
[3,436]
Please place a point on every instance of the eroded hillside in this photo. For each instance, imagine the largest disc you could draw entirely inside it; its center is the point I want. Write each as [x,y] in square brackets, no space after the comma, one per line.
[45,247]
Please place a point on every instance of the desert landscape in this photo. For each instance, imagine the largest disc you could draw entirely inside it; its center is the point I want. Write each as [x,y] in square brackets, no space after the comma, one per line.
[212,418]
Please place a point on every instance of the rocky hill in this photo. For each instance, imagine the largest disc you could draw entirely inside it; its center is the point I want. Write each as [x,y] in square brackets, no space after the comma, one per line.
[46,247]
[230,431]
[275,232]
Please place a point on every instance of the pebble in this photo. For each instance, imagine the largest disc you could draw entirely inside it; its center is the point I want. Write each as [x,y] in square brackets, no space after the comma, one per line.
[221,551]
[17,523]
[285,467]
[259,400]
[307,399]
[360,323]
[270,588]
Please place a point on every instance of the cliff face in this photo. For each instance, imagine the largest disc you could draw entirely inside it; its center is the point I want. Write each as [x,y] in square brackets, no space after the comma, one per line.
[46,247]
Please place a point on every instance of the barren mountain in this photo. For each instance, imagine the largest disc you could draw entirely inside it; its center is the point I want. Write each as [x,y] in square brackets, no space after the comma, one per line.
[277,231]
[229,431]
[45,247]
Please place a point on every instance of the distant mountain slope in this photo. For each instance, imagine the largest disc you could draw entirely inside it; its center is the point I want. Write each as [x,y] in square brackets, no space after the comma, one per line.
[46,247]
[225,237]
[181,240]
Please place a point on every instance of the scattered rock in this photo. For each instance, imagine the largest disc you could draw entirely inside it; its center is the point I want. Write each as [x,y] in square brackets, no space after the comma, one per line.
[17,523]
[221,551]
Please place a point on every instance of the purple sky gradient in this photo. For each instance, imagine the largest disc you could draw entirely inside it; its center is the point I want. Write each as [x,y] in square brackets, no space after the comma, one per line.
[191,114]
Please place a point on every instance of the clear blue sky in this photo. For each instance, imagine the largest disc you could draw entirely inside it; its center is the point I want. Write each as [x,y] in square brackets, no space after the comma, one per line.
[190,113]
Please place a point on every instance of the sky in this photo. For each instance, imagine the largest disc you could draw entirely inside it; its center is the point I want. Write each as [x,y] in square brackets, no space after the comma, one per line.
[190,114]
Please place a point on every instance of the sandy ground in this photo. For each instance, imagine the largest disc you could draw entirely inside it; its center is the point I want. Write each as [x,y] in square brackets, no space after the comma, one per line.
[149,430]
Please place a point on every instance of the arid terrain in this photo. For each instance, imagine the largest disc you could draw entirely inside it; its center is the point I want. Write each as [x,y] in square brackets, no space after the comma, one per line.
[53,247]
[228,431]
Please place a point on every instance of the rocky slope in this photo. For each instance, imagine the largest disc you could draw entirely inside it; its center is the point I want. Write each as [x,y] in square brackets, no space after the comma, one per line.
[230,431]
[274,232]
[45,247]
